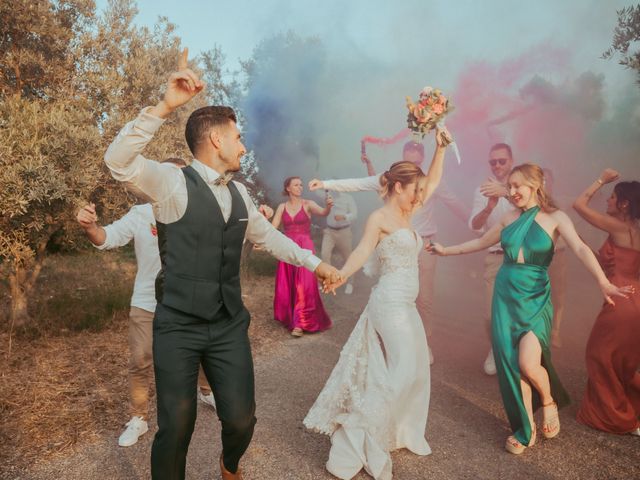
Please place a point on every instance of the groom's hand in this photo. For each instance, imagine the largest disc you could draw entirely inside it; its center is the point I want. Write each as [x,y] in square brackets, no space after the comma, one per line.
[328,275]
[182,86]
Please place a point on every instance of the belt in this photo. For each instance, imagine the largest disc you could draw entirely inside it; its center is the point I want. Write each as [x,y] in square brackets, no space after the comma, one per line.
[496,252]
[338,228]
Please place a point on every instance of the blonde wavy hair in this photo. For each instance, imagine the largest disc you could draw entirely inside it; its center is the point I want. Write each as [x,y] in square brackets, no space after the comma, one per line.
[402,172]
[534,178]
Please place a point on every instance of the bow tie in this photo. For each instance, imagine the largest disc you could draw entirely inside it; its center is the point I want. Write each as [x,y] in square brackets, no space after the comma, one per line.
[224,179]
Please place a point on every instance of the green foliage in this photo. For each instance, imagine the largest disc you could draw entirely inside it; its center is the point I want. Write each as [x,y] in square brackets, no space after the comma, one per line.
[69,81]
[626,32]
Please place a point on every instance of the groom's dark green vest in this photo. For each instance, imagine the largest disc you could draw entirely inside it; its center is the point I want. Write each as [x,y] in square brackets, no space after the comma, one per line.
[200,253]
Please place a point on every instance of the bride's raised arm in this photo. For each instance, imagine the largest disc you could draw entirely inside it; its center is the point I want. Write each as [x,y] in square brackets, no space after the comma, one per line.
[434,174]
[366,246]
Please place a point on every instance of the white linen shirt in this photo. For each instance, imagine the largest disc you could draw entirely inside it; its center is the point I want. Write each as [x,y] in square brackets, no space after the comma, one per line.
[343,204]
[166,188]
[138,225]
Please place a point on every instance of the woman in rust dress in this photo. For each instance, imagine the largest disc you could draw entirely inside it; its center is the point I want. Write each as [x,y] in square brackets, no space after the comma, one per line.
[611,401]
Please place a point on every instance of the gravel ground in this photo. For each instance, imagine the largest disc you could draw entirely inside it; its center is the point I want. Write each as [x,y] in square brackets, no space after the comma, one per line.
[466,427]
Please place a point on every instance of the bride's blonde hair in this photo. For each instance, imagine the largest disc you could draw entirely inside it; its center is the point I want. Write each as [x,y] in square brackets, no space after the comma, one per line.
[534,178]
[402,172]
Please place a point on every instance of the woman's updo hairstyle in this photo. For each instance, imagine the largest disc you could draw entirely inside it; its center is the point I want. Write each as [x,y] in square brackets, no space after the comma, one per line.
[402,172]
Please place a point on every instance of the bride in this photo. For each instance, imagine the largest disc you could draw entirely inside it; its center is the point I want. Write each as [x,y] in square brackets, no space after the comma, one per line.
[377,398]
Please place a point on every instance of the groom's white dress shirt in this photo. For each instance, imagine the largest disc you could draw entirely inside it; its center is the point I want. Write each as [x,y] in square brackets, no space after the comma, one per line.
[165,187]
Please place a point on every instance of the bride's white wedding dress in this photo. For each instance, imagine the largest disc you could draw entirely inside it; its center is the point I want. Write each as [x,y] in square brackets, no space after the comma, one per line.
[377,397]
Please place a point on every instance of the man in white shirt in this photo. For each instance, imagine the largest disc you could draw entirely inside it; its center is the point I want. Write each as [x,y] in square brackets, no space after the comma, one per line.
[490,204]
[203,218]
[423,222]
[338,233]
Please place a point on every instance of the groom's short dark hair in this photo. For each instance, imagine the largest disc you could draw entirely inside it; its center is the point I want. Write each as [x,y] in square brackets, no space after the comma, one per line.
[202,120]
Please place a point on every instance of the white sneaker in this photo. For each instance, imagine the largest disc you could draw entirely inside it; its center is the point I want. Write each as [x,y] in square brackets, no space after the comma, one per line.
[490,364]
[348,290]
[430,356]
[207,399]
[136,427]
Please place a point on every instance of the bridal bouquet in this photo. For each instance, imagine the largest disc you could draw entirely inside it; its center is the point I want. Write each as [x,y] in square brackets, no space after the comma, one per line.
[432,106]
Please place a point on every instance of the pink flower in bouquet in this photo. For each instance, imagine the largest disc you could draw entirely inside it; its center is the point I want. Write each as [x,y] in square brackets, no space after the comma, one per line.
[438,108]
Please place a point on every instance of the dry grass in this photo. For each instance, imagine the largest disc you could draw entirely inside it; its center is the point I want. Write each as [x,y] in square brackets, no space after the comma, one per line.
[65,381]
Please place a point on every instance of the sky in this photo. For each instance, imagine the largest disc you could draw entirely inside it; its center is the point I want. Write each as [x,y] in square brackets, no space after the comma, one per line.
[492,57]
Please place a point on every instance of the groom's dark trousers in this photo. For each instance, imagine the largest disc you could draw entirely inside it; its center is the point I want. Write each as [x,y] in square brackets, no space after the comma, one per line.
[200,319]
[180,344]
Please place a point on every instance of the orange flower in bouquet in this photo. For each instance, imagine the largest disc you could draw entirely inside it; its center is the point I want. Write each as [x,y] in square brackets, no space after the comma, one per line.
[432,106]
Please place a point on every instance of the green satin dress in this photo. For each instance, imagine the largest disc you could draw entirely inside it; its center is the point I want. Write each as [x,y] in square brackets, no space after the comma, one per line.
[522,304]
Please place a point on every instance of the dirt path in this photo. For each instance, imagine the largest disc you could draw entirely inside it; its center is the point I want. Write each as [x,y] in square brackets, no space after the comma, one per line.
[466,427]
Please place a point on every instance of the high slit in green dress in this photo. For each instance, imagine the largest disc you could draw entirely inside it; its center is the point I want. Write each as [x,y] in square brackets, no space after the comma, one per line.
[522,304]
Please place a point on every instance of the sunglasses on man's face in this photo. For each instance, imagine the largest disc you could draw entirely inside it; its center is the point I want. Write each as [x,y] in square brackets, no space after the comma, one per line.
[494,161]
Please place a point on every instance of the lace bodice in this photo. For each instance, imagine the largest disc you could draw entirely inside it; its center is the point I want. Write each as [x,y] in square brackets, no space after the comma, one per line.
[399,251]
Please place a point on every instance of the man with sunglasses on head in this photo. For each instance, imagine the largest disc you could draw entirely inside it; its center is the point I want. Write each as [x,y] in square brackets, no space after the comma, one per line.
[490,203]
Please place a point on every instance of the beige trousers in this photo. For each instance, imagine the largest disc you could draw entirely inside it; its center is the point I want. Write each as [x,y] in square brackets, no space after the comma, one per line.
[340,240]
[141,362]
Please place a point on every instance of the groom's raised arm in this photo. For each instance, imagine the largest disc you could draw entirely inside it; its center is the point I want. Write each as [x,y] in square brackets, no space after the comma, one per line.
[127,164]
[124,155]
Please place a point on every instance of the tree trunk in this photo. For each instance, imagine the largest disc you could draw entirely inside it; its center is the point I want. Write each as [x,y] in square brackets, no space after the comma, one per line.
[19,298]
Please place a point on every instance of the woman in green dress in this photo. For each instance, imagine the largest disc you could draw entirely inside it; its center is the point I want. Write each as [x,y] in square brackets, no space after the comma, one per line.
[522,313]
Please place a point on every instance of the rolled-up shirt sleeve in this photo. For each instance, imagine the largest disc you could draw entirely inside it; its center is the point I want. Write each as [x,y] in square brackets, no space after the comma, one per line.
[120,232]
[354,184]
[261,232]
[127,164]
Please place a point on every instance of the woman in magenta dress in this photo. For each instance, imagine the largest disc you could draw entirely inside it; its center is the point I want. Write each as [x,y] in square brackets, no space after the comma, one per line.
[611,401]
[297,303]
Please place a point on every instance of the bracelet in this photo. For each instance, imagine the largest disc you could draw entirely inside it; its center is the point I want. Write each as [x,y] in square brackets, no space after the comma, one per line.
[600,181]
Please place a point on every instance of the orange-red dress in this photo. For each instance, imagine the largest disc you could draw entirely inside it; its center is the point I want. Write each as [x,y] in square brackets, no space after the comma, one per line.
[612,399]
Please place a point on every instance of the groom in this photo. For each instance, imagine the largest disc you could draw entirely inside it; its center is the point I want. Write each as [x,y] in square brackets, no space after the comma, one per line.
[203,218]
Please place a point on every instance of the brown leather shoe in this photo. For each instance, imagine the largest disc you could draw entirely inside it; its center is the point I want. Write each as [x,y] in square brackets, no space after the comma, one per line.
[226,474]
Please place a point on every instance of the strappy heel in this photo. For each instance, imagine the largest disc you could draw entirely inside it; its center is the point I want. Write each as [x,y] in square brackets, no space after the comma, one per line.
[551,423]
[514,446]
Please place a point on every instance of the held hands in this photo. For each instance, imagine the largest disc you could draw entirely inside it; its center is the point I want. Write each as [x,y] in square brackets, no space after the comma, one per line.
[182,86]
[87,217]
[492,188]
[330,277]
[610,290]
[609,175]
[316,184]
